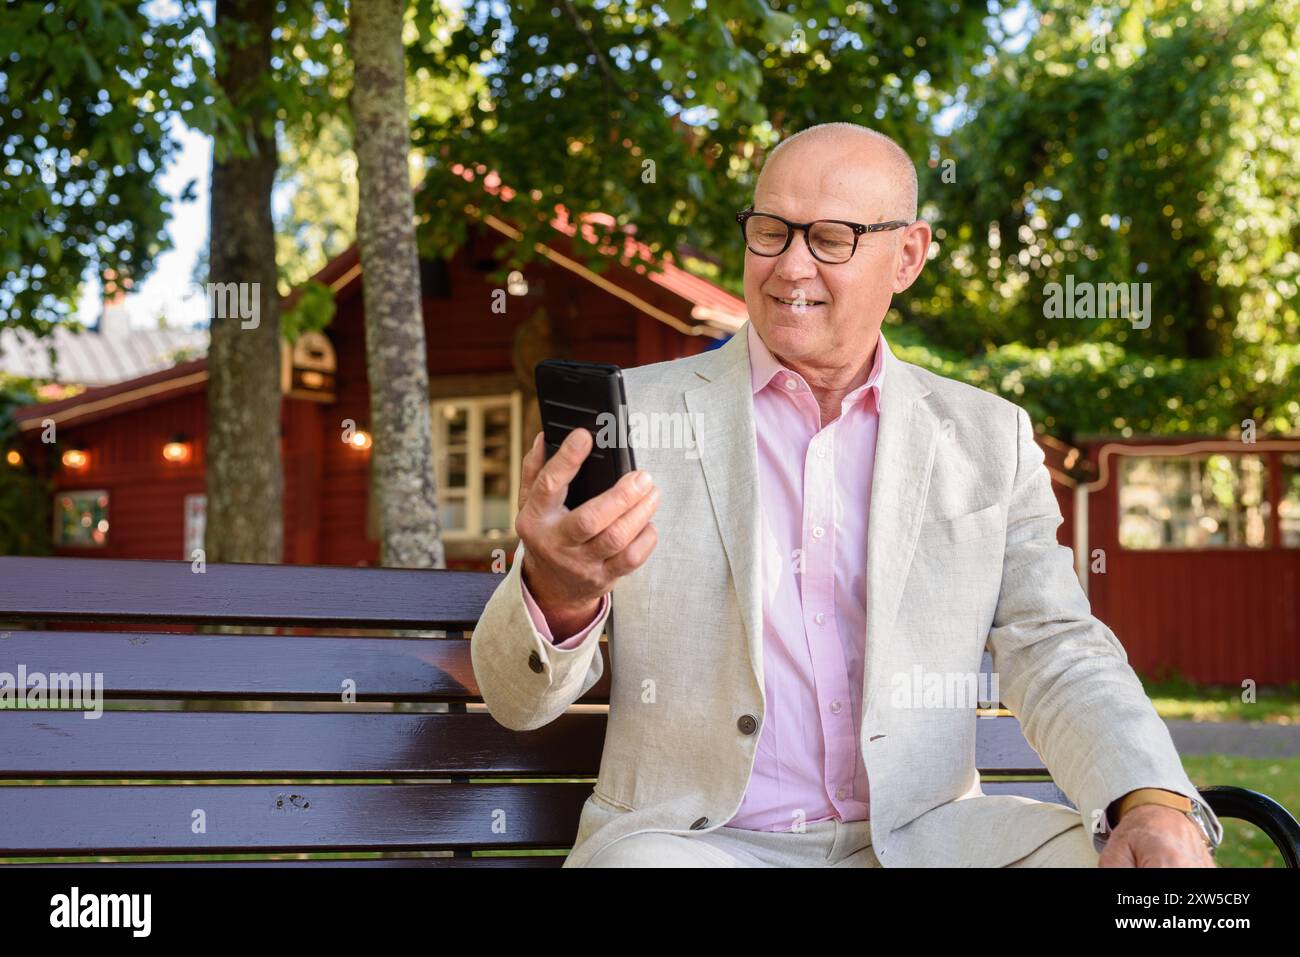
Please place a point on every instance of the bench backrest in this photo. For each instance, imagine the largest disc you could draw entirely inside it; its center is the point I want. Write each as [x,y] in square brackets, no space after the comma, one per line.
[347,741]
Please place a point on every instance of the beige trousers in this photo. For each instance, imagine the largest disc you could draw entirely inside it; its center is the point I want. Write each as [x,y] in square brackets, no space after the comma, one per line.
[822,844]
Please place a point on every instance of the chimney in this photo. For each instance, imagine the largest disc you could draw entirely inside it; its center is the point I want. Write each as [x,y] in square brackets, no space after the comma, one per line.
[115,320]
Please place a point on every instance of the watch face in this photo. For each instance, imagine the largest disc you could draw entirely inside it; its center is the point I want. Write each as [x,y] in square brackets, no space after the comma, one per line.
[1196,815]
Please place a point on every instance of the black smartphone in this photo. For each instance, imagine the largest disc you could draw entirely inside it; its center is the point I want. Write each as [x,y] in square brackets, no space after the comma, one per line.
[585,395]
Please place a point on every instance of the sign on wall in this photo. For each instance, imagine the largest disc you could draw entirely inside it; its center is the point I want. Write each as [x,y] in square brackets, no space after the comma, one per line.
[196,520]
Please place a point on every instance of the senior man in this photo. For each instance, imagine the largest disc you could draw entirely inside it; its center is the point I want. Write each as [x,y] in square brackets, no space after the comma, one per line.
[841,520]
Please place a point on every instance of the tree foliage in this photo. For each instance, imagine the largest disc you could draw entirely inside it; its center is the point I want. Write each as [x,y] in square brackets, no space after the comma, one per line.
[657,114]
[1152,142]
[89,97]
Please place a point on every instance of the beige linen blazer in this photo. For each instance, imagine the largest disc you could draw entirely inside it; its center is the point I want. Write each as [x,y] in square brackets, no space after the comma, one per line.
[962,553]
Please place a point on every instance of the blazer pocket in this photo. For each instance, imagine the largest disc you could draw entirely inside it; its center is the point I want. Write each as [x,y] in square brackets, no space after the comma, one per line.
[963,528]
[609,803]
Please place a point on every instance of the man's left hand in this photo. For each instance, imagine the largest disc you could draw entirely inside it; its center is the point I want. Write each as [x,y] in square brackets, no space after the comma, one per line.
[1151,835]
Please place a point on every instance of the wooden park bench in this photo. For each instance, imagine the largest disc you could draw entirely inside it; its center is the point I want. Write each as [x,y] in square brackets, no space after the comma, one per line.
[416,770]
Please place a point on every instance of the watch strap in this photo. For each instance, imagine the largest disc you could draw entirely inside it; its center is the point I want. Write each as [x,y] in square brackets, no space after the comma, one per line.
[1152,796]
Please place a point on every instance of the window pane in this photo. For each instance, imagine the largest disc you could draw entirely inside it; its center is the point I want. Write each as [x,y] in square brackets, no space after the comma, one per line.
[496,468]
[1288,508]
[81,518]
[450,446]
[452,512]
[1213,501]
[457,469]
[457,417]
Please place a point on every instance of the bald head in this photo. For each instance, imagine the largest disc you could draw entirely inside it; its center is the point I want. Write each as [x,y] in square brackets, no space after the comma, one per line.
[856,145]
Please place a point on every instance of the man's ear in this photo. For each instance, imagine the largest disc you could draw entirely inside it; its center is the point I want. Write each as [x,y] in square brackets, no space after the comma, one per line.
[911,255]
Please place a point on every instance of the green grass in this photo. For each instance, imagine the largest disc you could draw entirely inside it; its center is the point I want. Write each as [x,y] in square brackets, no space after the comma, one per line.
[1175,697]
[1243,844]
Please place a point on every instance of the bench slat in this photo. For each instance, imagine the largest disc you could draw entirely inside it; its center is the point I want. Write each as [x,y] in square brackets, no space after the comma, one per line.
[163,744]
[494,860]
[1038,790]
[104,589]
[144,819]
[149,744]
[112,820]
[153,665]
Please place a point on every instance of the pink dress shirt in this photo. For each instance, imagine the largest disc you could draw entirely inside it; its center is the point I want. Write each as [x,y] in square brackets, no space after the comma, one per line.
[815,490]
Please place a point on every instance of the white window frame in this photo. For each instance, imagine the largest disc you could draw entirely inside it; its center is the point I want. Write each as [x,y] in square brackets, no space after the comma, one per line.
[1197,458]
[474,459]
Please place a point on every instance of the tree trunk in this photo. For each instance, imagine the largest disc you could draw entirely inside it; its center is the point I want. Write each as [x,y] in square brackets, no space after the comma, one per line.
[245,518]
[396,360]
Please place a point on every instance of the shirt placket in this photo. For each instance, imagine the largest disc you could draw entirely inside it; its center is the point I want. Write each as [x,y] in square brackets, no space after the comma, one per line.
[830,670]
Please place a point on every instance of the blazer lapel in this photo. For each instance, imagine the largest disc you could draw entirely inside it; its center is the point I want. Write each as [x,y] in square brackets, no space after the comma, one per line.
[905,446]
[722,410]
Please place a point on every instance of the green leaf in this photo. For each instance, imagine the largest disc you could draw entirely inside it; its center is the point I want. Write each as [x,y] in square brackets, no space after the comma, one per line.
[92,68]
[778,27]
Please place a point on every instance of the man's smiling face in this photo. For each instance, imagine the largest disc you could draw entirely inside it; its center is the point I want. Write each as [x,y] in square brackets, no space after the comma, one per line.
[812,313]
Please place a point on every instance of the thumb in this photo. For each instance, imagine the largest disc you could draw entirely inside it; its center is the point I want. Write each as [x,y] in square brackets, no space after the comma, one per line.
[532,464]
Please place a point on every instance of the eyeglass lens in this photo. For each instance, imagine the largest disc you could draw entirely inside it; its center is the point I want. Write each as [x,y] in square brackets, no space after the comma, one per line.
[832,242]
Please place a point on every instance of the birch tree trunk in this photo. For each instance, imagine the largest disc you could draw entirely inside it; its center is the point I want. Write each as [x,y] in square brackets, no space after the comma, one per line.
[245,516]
[395,345]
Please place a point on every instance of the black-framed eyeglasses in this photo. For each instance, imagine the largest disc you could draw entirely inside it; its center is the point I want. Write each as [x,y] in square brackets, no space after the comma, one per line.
[829,240]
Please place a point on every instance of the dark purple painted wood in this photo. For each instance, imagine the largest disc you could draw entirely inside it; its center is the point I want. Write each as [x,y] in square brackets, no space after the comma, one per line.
[95,589]
[494,860]
[161,744]
[153,665]
[299,817]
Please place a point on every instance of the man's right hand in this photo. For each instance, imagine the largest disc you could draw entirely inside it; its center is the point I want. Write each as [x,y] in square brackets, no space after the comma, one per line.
[573,558]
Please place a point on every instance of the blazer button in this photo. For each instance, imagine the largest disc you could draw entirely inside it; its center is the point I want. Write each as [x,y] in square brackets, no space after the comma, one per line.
[700,824]
[535,662]
[747,724]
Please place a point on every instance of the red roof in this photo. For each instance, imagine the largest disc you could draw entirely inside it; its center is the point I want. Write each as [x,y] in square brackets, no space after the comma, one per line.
[712,302]
[111,399]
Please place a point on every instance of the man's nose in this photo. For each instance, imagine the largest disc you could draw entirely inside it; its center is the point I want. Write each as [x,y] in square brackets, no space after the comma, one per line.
[797,261]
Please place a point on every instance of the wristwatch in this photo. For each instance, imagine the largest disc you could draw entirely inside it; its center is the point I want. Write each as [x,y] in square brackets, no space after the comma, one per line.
[1168,799]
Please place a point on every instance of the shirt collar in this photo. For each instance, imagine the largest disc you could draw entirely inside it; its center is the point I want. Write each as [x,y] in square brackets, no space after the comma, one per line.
[764,366]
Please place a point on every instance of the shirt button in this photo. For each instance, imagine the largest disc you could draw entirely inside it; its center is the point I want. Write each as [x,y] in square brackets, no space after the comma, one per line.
[819,618]
[535,662]
[840,793]
[821,453]
[790,383]
[818,532]
[836,707]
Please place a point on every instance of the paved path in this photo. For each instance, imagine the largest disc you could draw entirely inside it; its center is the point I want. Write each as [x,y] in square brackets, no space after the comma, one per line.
[1251,739]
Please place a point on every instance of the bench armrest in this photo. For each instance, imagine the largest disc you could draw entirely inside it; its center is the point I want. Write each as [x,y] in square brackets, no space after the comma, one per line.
[1262,811]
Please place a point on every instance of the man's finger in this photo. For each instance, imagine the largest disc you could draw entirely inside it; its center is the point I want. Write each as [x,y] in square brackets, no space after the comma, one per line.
[553,481]
[592,517]
[531,466]
[622,531]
